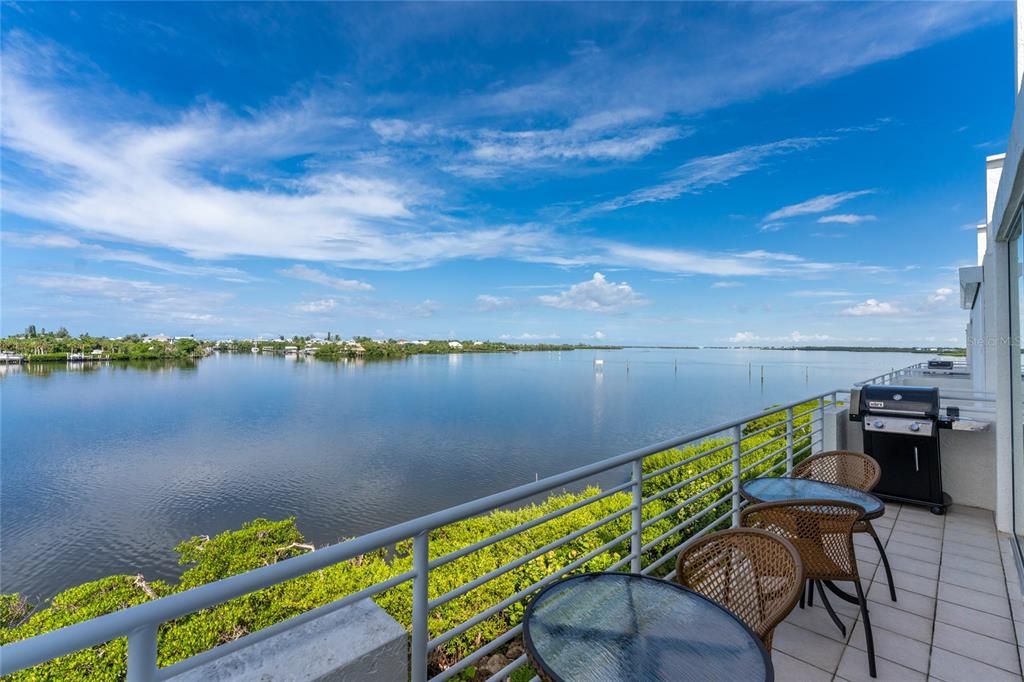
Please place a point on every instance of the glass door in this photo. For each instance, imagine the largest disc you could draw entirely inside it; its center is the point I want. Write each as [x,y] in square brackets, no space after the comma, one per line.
[1016,257]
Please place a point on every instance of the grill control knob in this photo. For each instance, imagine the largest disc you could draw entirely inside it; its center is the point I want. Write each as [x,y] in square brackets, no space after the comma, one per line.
[879,424]
[915,427]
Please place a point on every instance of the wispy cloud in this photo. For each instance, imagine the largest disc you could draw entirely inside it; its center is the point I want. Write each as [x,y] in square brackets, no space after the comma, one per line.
[308,274]
[597,295]
[819,204]
[726,285]
[847,218]
[707,171]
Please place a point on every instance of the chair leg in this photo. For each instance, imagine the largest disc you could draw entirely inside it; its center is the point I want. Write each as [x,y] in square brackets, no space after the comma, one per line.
[828,607]
[803,597]
[868,638]
[885,560]
[810,593]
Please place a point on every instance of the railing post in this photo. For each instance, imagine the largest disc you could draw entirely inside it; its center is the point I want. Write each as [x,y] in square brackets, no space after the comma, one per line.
[638,517]
[789,440]
[420,607]
[737,435]
[821,426]
[142,654]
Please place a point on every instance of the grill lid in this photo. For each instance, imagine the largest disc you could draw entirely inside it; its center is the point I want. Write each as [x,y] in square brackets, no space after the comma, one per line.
[919,401]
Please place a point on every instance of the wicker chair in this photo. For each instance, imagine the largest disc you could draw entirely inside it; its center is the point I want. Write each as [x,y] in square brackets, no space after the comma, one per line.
[755,574]
[856,470]
[822,532]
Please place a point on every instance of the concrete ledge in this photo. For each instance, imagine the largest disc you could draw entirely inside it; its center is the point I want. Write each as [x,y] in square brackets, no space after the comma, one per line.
[356,642]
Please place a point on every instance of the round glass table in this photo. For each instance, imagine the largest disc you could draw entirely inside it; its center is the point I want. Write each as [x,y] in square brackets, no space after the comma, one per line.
[622,626]
[784,488]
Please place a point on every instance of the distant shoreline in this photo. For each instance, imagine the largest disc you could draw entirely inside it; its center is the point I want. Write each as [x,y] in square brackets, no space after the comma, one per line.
[961,352]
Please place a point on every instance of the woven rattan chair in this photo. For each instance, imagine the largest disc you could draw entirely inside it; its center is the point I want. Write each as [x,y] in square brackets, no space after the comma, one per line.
[822,532]
[856,470]
[755,574]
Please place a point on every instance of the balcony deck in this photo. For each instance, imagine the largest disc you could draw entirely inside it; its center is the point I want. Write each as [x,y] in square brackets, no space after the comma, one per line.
[959,616]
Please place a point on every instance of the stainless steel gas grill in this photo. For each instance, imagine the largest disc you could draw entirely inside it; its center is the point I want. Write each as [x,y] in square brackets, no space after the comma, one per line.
[901,430]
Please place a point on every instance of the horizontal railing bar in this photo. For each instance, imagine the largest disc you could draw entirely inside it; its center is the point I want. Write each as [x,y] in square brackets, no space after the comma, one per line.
[523,593]
[765,444]
[671,489]
[35,650]
[229,647]
[523,527]
[699,534]
[526,558]
[776,453]
[688,460]
[696,517]
[668,555]
[690,500]
[505,672]
[479,653]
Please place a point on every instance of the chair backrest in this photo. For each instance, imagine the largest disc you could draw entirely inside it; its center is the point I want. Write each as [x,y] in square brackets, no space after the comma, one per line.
[758,576]
[821,531]
[842,467]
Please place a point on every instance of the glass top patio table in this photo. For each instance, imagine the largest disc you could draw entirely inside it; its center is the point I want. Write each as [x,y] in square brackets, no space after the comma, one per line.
[778,489]
[622,626]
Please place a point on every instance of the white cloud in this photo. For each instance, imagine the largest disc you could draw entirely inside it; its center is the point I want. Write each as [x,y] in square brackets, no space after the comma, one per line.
[847,218]
[322,306]
[819,293]
[146,299]
[596,295]
[726,285]
[940,295]
[526,336]
[819,204]
[426,308]
[309,274]
[872,306]
[708,171]
[487,302]
[597,336]
[794,337]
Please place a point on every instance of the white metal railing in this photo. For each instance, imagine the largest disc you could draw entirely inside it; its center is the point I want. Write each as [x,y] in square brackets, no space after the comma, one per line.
[804,433]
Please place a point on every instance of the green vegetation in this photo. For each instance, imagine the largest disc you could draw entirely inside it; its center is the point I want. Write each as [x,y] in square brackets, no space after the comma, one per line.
[262,542]
[55,346]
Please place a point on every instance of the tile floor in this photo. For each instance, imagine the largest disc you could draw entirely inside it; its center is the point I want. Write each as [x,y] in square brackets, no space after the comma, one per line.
[959,614]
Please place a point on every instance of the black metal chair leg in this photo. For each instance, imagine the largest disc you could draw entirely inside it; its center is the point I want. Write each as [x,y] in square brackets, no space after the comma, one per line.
[868,638]
[828,607]
[885,561]
[810,593]
[803,597]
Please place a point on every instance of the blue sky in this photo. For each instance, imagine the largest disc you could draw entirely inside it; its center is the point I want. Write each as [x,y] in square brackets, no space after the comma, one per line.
[627,173]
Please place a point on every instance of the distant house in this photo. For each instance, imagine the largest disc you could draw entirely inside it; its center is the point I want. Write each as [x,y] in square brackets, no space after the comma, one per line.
[454,344]
[291,350]
[97,351]
[478,343]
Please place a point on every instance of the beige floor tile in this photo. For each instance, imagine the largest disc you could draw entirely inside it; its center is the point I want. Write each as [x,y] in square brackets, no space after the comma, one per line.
[990,556]
[918,604]
[972,563]
[897,620]
[991,651]
[975,600]
[807,646]
[982,540]
[921,569]
[917,529]
[901,537]
[816,619]
[789,669]
[951,667]
[893,646]
[854,667]
[932,556]
[914,583]
[975,581]
[975,621]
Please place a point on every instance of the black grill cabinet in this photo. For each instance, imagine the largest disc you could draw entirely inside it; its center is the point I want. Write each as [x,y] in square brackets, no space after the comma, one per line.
[901,430]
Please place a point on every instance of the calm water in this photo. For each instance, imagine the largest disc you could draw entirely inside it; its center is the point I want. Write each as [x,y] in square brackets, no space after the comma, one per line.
[105,469]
